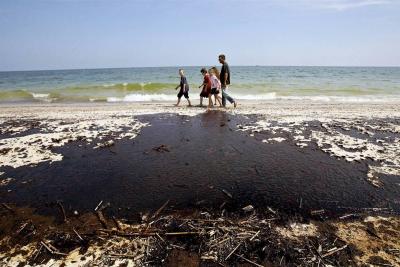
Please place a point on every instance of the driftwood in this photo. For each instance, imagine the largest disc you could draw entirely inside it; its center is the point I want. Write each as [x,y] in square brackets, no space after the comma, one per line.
[161,148]
[117,223]
[152,233]
[134,257]
[333,251]
[79,236]
[101,218]
[160,210]
[227,193]
[233,251]
[181,233]
[22,227]
[51,249]
[98,205]
[317,212]
[249,261]
[62,210]
[7,207]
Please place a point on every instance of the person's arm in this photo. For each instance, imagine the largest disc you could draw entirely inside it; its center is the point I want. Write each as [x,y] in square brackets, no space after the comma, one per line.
[219,84]
[225,78]
[203,84]
[177,87]
[185,85]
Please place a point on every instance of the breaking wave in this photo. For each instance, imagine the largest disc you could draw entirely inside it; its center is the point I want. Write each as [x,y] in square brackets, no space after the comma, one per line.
[148,92]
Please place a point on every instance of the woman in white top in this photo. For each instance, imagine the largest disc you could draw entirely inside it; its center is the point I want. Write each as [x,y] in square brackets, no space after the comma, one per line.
[215,85]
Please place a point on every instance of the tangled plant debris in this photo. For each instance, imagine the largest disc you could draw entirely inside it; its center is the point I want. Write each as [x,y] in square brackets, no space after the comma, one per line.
[258,237]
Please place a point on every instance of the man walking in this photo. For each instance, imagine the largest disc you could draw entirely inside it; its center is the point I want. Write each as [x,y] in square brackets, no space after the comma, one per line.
[225,78]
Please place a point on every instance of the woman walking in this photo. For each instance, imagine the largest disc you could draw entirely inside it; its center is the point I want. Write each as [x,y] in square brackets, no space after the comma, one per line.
[215,85]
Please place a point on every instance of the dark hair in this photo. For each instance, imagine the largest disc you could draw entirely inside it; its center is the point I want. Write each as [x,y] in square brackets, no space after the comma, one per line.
[203,70]
[222,56]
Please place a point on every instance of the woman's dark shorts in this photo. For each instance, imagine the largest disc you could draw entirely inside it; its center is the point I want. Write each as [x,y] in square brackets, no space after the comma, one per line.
[214,91]
[181,93]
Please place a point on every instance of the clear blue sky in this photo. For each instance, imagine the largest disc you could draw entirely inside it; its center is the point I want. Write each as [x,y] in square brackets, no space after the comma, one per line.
[63,34]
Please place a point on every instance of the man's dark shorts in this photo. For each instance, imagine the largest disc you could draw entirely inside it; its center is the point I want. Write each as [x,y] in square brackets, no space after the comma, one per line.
[181,93]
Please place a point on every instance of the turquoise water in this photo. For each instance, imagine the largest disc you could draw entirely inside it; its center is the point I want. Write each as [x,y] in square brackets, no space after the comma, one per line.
[350,84]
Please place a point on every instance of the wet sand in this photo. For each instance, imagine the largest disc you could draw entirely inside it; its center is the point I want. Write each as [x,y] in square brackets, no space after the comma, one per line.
[309,162]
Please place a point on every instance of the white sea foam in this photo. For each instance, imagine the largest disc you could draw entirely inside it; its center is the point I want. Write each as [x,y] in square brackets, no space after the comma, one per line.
[318,98]
[268,96]
[39,95]
[260,97]
[142,98]
[109,85]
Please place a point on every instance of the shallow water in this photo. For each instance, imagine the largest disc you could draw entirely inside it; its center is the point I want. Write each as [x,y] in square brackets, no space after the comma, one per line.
[204,156]
[354,84]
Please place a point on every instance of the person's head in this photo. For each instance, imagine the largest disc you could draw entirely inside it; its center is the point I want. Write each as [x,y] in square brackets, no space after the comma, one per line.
[203,71]
[221,58]
[216,72]
[211,71]
[181,72]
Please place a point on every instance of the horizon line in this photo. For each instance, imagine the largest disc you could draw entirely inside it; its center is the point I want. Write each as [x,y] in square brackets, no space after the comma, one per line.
[190,66]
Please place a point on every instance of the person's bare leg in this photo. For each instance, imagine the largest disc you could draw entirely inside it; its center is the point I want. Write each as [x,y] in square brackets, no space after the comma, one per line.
[219,100]
[215,100]
[190,104]
[209,102]
[201,101]
[177,104]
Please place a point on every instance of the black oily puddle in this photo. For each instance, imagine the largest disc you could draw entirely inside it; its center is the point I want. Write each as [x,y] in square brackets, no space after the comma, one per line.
[205,158]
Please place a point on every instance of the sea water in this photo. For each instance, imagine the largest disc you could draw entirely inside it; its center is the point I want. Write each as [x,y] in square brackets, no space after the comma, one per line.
[344,84]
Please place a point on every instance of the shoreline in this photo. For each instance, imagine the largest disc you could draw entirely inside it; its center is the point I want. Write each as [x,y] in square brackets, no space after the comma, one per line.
[275,107]
[298,172]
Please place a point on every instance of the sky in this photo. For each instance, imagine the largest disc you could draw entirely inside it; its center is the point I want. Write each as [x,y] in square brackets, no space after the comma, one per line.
[69,34]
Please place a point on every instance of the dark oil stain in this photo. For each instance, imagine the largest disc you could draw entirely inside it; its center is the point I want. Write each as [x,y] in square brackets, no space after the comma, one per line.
[201,157]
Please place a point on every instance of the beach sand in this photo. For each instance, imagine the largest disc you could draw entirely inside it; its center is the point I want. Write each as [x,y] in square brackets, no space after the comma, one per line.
[295,183]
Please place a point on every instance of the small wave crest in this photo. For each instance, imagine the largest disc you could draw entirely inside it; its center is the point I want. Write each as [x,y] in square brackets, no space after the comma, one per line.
[16,96]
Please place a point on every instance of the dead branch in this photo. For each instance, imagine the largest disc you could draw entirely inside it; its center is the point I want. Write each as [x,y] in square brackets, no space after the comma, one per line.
[101,218]
[62,210]
[160,210]
[333,251]
[7,207]
[134,257]
[79,236]
[233,251]
[249,261]
[98,205]
[117,223]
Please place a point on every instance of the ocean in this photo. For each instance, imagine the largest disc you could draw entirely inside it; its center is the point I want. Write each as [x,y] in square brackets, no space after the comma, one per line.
[343,84]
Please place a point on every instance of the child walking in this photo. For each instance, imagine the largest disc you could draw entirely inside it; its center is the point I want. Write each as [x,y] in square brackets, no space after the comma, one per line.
[184,91]
[215,86]
[205,92]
